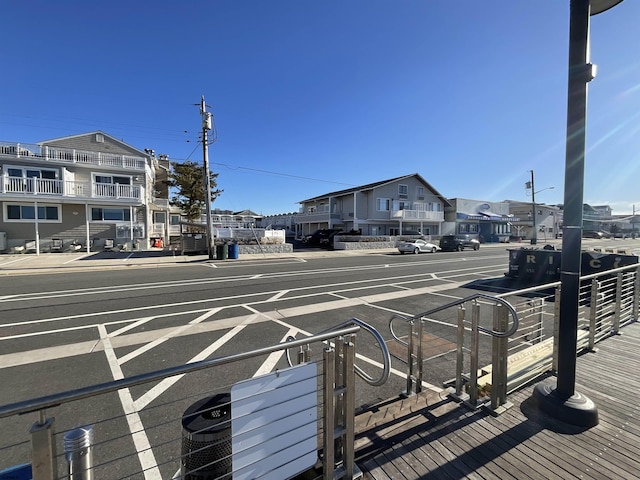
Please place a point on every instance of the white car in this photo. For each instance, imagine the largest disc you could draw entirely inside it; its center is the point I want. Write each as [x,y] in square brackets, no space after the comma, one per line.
[417,246]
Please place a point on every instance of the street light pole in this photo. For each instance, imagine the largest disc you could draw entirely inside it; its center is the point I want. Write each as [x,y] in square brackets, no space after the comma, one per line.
[561,400]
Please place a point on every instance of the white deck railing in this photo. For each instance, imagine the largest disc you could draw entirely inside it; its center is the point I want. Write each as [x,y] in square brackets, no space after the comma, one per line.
[417,215]
[69,155]
[68,188]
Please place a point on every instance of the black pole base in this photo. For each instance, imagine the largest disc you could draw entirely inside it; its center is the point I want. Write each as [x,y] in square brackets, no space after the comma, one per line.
[575,410]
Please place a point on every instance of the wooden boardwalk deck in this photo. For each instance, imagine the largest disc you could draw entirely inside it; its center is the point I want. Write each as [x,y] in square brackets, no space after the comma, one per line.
[429,437]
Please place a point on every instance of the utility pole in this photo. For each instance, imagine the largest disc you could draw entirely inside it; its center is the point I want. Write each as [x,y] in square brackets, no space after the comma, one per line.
[206,126]
[534,229]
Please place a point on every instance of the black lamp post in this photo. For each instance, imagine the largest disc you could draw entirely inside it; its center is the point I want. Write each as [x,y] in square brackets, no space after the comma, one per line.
[561,400]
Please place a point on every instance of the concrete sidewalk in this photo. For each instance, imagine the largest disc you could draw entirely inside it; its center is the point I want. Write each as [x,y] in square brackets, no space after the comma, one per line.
[30,263]
[27,264]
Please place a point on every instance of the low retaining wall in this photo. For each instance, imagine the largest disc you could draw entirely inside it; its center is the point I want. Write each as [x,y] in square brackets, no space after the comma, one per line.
[273,248]
[363,245]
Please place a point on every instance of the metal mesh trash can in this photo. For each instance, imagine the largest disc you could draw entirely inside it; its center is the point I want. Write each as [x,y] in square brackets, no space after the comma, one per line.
[206,438]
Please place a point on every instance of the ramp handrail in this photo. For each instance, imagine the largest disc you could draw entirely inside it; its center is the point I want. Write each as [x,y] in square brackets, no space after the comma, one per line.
[461,301]
[386,355]
[500,334]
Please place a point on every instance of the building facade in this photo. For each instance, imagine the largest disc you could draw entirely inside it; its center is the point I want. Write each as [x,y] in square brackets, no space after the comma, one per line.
[88,189]
[396,206]
[489,221]
[548,220]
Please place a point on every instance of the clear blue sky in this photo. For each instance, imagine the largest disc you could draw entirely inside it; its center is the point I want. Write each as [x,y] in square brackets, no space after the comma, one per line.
[315,96]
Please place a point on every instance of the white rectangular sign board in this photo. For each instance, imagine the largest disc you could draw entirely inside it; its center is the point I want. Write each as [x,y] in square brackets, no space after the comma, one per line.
[274,424]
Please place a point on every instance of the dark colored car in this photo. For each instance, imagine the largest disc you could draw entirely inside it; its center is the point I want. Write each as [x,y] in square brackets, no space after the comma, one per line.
[319,236]
[458,242]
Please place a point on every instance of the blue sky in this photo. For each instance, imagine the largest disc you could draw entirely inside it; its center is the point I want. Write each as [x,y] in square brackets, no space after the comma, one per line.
[315,96]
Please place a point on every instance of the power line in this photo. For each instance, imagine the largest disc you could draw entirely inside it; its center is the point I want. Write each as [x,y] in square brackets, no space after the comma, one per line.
[283,174]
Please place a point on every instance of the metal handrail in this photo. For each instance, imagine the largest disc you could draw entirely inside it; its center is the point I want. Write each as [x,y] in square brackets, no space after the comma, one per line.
[489,331]
[56,399]
[386,355]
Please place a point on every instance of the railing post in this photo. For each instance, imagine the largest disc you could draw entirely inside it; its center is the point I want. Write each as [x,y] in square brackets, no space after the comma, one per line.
[636,293]
[419,358]
[78,449]
[348,440]
[329,412]
[43,449]
[460,350]
[475,345]
[556,328]
[618,306]
[411,359]
[499,359]
[593,314]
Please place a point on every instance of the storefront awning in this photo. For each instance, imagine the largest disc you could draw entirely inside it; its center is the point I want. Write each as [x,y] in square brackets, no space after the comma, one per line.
[470,216]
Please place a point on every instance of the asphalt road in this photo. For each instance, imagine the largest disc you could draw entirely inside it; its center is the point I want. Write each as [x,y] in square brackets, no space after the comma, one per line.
[66,330]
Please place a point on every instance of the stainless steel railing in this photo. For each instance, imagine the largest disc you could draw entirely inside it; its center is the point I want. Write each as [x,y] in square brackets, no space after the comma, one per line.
[386,356]
[335,429]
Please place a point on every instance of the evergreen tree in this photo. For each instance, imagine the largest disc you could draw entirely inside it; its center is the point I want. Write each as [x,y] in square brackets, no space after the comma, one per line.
[186,182]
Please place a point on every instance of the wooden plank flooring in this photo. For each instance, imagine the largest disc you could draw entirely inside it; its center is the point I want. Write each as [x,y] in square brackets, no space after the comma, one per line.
[430,437]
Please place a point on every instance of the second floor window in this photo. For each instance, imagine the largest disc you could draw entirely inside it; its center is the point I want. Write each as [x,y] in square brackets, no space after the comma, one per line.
[403,191]
[383,204]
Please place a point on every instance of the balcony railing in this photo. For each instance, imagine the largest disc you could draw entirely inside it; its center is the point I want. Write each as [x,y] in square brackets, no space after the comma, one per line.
[67,188]
[72,156]
[417,215]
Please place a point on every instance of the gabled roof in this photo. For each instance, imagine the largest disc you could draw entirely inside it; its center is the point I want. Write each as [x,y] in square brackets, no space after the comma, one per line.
[62,140]
[371,186]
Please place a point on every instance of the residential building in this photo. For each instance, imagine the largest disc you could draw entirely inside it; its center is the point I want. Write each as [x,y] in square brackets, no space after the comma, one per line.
[490,221]
[548,220]
[83,189]
[389,207]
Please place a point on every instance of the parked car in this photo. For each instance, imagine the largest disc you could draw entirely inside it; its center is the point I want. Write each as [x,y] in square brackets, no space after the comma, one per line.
[316,238]
[416,246]
[327,241]
[593,234]
[459,242]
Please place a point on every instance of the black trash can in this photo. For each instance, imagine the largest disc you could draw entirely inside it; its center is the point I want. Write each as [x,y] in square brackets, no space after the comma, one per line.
[206,438]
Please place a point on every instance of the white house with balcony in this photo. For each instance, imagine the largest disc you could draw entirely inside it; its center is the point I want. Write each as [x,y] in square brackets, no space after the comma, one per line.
[81,190]
[395,206]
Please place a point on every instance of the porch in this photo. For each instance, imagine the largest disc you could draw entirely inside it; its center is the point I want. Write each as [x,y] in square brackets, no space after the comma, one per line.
[57,155]
[54,189]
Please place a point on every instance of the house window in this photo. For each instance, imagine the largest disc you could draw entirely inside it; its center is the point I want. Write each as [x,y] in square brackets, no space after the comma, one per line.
[113,179]
[403,191]
[27,213]
[383,204]
[32,173]
[420,193]
[174,219]
[110,214]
